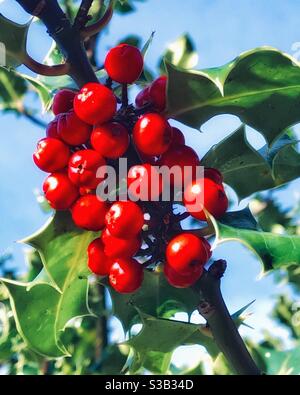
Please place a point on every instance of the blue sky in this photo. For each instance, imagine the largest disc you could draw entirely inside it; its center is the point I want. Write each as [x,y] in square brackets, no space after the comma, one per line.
[221,29]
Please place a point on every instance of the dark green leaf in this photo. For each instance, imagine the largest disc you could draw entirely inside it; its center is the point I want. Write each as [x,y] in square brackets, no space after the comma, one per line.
[261,87]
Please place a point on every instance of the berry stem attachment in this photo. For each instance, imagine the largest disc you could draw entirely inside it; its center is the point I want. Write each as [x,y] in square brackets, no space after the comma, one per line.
[124,95]
[213,308]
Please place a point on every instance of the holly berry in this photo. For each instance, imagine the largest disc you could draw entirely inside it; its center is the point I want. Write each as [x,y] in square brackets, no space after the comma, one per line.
[59,191]
[126,275]
[63,101]
[124,219]
[98,262]
[152,134]
[115,247]
[88,213]
[124,63]
[178,280]
[205,193]
[143,98]
[111,139]
[83,168]
[73,130]
[51,155]
[144,183]
[158,93]
[178,137]
[186,252]
[95,103]
[51,130]
[181,156]
[214,175]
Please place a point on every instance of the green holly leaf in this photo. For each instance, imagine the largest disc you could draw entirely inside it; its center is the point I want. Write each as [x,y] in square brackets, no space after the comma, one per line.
[59,292]
[62,248]
[281,362]
[12,90]
[273,250]
[266,168]
[155,297]
[240,219]
[159,337]
[180,53]
[261,87]
[13,37]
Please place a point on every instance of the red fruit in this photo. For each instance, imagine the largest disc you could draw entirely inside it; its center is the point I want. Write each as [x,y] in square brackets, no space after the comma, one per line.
[83,167]
[98,262]
[178,280]
[144,183]
[143,98]
[152,134]
[115,247]
[89,213]
[59,191]
[63,101]
[186,252]
[124,219]
[178,137]
[208,194]
[111,139]
[158,93]
[51,155]
[73,130]
[214,175]
[181,156]
[95,103]
[124,63]
[51,130]
[126,275]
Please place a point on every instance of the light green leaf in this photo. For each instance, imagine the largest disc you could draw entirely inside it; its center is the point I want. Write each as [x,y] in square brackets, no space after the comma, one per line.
[248,171]
[161,336]
[281,362]
[156,297]
[274,251]
[13,39]
[42,90]
[42,308]
[261,87]
[12,90]
[180,53]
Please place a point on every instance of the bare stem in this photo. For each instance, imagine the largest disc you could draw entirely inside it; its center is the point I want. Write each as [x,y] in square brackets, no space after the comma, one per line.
[224,330]
[82,16]
[99,25]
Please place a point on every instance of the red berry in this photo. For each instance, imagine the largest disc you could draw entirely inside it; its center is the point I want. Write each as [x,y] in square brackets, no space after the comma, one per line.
[186,252]
[51,130]
[63,101]
[158,93]
[181,156]
[51,155]
[124,219]
[144,183]
[178,137]
[59,191]
[98,262]
[143,98]
[95,103]
[178,280]
[115,247]
[111,139]
[124,63]
[73,130]
[89,212]
[126,275]
[214,175]
[208,194]
[83,168]
[152,134]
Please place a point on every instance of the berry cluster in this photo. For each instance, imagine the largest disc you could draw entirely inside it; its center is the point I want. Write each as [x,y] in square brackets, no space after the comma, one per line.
[92,128]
